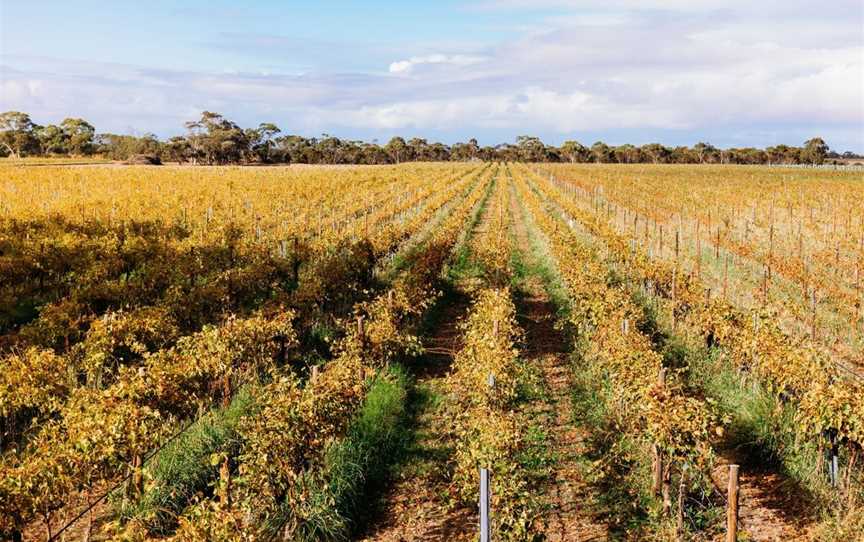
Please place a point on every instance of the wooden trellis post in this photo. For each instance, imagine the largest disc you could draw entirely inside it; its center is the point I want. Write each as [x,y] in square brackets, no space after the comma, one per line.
[137,476]
[813,314]
[682,492]
[717,246]
[657,483]
[770,250]
[667,490]
[225,481]
[698,253]
[732,505]
[361,334]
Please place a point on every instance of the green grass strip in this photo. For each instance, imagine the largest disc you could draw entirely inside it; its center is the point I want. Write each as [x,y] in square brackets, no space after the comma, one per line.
[185,467]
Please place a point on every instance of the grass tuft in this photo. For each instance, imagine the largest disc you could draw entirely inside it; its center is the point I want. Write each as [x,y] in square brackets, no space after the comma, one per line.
[184,467]
[359,464]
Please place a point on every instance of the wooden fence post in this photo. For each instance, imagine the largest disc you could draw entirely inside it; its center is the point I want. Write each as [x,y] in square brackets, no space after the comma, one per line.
[682,491]
[770,250]
[361,334]
[813,314]
[657,463]
[732,505]
[295,262]
[674,297]
[717,246]
[667,489]
[657,484]
[137,476]
[698,253]
[226,389]
[225,479]
[661,377]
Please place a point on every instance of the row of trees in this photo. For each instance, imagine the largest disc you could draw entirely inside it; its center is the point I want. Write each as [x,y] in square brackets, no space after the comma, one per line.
[20,136]
[213,139]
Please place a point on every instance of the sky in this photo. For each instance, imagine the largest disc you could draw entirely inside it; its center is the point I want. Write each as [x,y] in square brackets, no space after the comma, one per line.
[731,72]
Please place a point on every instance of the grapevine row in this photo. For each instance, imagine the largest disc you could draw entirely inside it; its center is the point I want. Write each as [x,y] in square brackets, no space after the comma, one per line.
[154,393]
[124,337]
[791,367]
[792,238]
[645,400]
[273,494]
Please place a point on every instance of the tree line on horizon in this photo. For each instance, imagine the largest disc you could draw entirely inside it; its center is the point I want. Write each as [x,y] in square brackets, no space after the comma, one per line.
[214,140]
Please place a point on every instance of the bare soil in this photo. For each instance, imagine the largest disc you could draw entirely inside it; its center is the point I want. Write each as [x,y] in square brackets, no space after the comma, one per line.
[770,507]
[419,504]
[567,494]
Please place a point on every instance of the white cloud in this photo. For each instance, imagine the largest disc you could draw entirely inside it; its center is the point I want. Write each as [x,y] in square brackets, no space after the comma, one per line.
[531,107]
[782,7]
[20,90]
[407,66]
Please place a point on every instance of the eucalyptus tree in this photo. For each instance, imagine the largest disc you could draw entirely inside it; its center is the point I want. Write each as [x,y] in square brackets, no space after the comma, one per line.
[18,134]
[80,136]
[574,152]
[815,150]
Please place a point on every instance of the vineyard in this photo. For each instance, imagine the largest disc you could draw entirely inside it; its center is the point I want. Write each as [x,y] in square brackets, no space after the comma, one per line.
[431,351]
